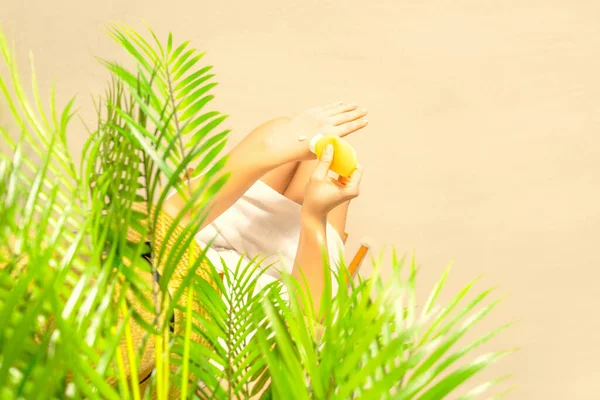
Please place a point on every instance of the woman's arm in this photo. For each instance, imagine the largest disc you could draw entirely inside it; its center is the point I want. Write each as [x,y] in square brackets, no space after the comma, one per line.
[247,162]
[270,145]
[322,195]
[309,256]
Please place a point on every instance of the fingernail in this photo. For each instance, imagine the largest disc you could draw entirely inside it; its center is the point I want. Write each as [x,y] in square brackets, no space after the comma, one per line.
[328,149]
[364,110]
[366,121]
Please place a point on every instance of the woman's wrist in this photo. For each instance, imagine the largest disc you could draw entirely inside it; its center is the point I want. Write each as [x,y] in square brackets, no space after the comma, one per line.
[312,217]
[314,225]
[285,144]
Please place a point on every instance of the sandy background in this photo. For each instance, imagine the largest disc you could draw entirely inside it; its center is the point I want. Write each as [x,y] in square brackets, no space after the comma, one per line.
[483,146]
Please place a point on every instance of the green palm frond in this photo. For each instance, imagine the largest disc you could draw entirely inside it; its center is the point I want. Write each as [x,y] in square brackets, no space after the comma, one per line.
[47,338]
[173,93]
[373,343]
[228,358]
[42,137]
[165,120]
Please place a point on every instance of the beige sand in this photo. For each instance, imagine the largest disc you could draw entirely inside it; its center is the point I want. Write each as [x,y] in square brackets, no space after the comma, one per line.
[485,115]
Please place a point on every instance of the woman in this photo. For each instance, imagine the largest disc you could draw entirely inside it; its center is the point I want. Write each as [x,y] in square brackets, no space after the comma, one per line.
[279,200]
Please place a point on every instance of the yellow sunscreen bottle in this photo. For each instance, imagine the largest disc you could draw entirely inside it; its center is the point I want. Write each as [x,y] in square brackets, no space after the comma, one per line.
[344,155]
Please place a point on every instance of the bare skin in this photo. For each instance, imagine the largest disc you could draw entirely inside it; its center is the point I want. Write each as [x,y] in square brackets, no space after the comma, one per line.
[323,194]
[273,152]
[290,180]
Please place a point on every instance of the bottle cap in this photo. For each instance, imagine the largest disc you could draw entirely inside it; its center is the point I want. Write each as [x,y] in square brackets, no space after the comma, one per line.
[313,142]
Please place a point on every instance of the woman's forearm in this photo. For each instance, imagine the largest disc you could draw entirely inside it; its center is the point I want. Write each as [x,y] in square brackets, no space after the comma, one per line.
[247,162]
[309,256]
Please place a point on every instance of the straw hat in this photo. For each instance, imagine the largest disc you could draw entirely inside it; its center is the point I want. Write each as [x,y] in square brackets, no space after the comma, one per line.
[163,223]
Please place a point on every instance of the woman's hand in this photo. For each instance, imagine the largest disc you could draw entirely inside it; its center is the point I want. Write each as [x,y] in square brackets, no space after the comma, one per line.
[291,140]
[321,196]
[324,193]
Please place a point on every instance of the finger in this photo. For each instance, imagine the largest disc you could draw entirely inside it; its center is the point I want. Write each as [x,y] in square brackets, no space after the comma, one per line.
[348,117]
[356,176]
[324,163]
[348,128]
[341,108]
[353,185]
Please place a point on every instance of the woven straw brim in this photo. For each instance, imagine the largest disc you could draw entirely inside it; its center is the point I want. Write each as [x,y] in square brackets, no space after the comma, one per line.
[162,237]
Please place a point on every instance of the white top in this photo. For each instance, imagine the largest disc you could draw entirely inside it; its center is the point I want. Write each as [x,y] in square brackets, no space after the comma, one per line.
[262,223]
